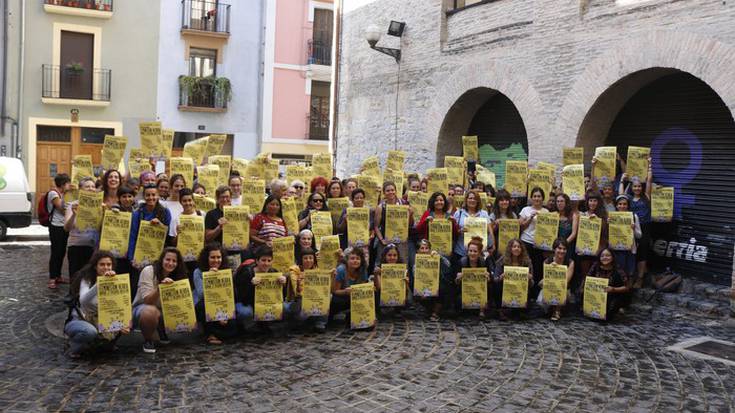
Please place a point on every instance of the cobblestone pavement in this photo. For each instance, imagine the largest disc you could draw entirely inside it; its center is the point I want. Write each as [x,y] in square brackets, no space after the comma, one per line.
[406,364]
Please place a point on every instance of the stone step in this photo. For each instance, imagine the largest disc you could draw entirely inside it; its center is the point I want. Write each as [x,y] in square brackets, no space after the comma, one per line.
[712,292]
[696,303]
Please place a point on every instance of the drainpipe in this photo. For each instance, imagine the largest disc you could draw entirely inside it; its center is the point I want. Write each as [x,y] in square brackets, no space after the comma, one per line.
[3,112]
[336,59]
[18,145]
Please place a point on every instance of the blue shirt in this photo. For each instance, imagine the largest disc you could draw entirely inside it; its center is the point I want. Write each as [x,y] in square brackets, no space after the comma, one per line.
[460,216]
[143,214]
[642,209]
[344,281]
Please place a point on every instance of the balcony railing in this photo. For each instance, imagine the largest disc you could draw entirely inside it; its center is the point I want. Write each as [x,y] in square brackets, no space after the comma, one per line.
[208,16]
[319,118]
[76,82]
[102,5]
[204,92]
[320,52]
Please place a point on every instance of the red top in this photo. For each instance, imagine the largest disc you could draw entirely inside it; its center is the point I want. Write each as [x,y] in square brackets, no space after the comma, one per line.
[422,228]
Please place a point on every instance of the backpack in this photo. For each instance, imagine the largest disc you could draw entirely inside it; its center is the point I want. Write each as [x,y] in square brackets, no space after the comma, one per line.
[44,215]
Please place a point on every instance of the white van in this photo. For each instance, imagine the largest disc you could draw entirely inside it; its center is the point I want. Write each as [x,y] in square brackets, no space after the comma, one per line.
[15,196]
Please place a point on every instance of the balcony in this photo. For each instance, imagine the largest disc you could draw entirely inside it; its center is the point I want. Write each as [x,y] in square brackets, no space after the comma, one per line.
[205,18]
[320,52]
[100,9]
[75,85]
[319,118]
[204,94]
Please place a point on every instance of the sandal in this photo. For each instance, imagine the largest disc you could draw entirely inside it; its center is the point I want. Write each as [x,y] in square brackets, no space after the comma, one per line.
[556,315]
[482,315]
[434,318]
[213,340]
[62,280]
[52,284]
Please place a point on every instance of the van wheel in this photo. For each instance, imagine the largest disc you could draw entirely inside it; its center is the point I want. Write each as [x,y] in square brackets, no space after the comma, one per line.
[3,230]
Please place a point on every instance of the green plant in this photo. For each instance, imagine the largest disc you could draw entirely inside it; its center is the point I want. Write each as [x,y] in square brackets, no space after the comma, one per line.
[190,84]
[75,67]
[223,87]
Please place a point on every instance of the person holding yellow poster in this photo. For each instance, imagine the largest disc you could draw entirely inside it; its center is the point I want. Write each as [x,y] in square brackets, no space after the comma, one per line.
[636,164]
[352,273]
[516,257]
[99,309]
[183,167]
[547,228]
[81,243]
[455,169]
[358,223]
[150,138]
[470,150]
[434,280]
[508,229]
[606,289]
[572,181]
[116,232]
[573,156]
[113,151]
[529,219]
[236,230]
[151,239]
[195,150]
[621,225]
[642,205]
[189,234]
[516,173]
[250,297]
[215,143]
[395,160]
[473,278]
[163,289]
[309,290]
[149,225]
[362,306]
[588,236]
[392,274]
[208,175]
[283,253]
[269,295]
[515,287]
[214,294]
[268,226]
[440,235]
[89,211]
[604,164]
[558,273]
[626,257]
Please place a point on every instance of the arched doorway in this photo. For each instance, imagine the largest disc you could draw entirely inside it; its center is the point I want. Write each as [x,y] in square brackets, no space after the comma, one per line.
[495,120]
[691,134]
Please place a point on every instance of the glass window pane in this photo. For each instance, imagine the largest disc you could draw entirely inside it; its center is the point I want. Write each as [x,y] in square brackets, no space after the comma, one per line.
[53,133]
[96,135]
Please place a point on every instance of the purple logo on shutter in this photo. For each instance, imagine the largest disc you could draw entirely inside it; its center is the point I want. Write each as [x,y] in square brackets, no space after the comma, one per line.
[680,178]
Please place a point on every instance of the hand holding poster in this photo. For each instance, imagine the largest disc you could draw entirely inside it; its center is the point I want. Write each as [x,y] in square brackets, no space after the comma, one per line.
[215,143]
[437,180]
[621,230]
[547,229]
[555,284]
[316,296]
[474,288]
[595,298]
[253,194]
[183,167]
[572,181]
[236,232]
[393,285]
[508,229]
[283,253]
[190,236]
[358,226]
[588,235]
[475,227]
[419,201]
[149,244]
[204,203]
[224,163]
[89,213]
[268,297]
[328,253]
[455,169]
[604,168]
[290,215]
[515,287]
[396,223]
[113,151]
[516,173]
[321,226]
[81,167]
[219,295]
[426,275]
[362,305]
[637,163]
[573,156]
[395,160]
[114,311]
[115,232]
[440,235]
[662,204]
[207,176]
[150,138]
[178,307]
[470,150]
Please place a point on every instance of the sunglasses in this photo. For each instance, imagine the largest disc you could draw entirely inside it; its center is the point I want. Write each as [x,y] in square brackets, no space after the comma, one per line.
[321,201]
[298,187]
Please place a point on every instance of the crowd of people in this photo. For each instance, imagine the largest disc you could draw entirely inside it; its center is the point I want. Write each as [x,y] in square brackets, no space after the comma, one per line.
[163,200]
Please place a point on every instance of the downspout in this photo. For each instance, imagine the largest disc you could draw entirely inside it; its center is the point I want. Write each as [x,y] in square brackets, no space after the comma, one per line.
[17,146]
[3,112]
[337,38]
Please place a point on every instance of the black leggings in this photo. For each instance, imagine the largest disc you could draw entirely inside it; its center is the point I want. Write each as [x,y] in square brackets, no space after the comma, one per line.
[78,257]
[58,238]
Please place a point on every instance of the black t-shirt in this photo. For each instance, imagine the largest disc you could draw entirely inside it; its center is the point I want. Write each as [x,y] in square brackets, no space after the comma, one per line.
[244,288]
[211,222]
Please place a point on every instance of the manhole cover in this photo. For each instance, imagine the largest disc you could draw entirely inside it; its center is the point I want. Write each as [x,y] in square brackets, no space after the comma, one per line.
[707,348]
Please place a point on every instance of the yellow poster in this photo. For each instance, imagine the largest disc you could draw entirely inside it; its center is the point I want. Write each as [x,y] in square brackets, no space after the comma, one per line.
[637,163]
[547,166]
[272,167]
[419,201]
[362,305]
[396,177]
[178,307]
[114,311]
[116,232]
[515,287]
[358,226]
[290,215]
[240,165]
[370,166]
[236,233]
[190,236]
[621,236]
[215,143]
[336,206]
[137,167]
[486,176]
[595,298]
[268,297]
[89,213]
[195,150]
[396,160]
[662,204]
[396,223]
[328,252]
[541,178]
[223,162]
[372,189]
[508,229]
[547,230]
[437,180]
[204,203]
[475,227]
[219,295]
[426,275]
[457,201]
[113,151]
[253,194]
[604,170]
[150,138]
[588,236]
[440,236]
[295,172]
[516,173]
[572,181]
[573,156]
[149,242]
[138,154]
[392,285]
[316,295]
[555,284]
[283,253]
[470,149]
[321,226]
[183,167]
[322,164]
[167,142]
[474,288]
[71,195]
[81,167]
[455,169]
[207,176]
[256,170]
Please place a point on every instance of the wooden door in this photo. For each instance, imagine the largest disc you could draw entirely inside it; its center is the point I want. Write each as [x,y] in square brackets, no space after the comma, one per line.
[52,158]
[77,65]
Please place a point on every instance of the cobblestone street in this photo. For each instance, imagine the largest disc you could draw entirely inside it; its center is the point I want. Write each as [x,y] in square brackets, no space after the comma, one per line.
[406,364]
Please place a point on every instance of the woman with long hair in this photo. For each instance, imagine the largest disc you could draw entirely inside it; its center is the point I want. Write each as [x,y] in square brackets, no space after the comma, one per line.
[501,210]
[315,202]
[594,209]
[81,243]
[473,259]
[211,258]
[297,274]
[434,305]
[269,223]
[472,208]
[176,184]
[528,232]
[618,290]
[390,197]
[640,205]
[560,257]
[390,255]
[353,271]
[169,267]
[515,255]
[626,259]
[111,182]
[568,222]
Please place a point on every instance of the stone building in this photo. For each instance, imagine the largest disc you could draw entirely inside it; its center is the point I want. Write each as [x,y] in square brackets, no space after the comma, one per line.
[530,77]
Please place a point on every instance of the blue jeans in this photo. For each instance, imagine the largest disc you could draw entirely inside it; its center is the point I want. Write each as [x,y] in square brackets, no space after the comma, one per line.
[246,314]
[81,335]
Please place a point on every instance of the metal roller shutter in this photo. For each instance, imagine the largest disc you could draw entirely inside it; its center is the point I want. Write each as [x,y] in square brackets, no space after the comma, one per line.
[692,138]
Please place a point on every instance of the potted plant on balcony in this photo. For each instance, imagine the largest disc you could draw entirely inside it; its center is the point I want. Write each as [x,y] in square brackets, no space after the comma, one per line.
[88,4]
[222,91]
[74,68]
[189,86]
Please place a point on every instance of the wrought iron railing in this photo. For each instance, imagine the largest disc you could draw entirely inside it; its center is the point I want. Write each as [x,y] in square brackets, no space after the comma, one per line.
[209,16]
[74,82]
[320,52]
[202,92]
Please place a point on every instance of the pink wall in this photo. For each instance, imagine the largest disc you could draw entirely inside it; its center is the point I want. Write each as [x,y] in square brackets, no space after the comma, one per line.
[292,31]
[290,104]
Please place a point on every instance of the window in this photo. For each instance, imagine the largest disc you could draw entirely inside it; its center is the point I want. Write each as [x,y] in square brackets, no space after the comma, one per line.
[96,135]
[202,62]
[456,5]
[53,133]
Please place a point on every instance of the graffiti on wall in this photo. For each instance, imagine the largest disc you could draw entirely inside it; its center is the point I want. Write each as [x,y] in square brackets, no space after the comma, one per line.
[494,159]
[683,176]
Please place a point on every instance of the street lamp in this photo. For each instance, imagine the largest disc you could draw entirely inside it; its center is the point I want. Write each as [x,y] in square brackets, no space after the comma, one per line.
[373,33]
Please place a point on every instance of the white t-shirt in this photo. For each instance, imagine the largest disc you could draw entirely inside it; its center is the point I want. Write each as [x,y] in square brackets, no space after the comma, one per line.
[236,201]
[57,216]
[528,234]
[175,208]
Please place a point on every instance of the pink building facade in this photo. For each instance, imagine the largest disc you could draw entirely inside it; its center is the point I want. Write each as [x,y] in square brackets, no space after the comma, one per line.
[297,78]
